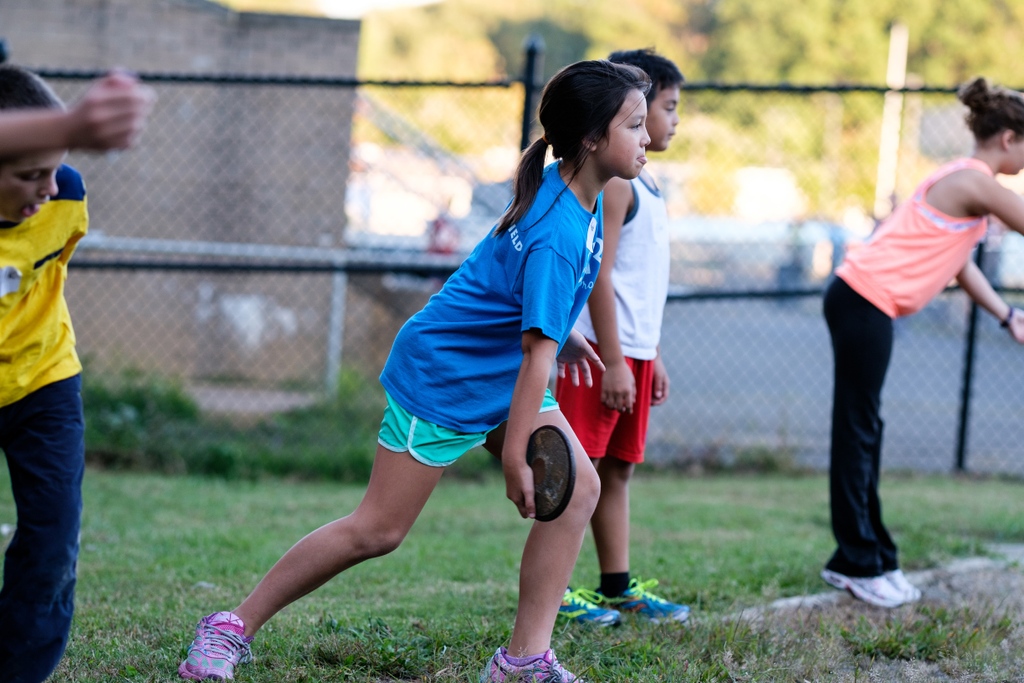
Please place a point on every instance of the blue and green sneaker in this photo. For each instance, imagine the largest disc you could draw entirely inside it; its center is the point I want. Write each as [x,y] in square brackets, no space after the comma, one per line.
[583,605]
[639,600]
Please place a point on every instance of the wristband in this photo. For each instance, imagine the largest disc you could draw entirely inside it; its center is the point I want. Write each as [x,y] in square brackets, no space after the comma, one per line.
[1006,321]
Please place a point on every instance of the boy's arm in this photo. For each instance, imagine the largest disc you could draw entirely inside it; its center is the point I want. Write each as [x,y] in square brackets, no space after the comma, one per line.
[618,387]
[25,132]
[110,115]
[538,356]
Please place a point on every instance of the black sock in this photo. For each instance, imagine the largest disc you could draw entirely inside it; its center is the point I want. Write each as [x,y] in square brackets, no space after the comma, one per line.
[614,585]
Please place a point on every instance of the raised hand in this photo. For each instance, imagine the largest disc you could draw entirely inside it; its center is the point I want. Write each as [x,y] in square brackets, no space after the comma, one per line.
[111,114]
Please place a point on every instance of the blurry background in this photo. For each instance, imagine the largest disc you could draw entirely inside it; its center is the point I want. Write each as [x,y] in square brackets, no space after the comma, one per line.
[309,178]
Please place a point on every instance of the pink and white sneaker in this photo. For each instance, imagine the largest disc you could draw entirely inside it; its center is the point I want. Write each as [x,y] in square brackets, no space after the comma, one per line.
[874,590]
[542,669]
[219,645]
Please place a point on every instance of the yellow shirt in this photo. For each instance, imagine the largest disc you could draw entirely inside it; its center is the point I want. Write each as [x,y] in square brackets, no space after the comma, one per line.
[915,252]
[37,343]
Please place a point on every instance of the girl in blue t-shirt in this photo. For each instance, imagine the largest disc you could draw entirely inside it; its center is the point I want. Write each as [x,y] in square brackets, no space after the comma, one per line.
[473,367]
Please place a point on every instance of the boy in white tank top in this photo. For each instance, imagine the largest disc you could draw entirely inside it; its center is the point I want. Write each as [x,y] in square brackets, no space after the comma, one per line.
[623,321]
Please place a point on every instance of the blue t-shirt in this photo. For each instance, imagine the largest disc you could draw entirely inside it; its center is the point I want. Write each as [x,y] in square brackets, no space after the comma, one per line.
[455,362]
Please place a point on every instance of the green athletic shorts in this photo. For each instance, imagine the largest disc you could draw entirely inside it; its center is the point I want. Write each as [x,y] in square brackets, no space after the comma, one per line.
[427,442]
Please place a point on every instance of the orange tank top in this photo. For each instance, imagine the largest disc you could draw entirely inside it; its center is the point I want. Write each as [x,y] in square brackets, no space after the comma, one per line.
[915,252]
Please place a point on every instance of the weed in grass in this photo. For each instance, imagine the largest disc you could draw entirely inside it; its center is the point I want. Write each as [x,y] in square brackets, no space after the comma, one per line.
[928,634]
[765,459]
[143,422]
[127,416]
[376,649]
[716,458]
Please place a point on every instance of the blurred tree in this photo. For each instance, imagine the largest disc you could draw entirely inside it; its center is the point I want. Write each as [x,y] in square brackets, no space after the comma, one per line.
[762,41]
[560,46]
[493,33]
[303,7]
[831,142]
[447,41]
[830,41]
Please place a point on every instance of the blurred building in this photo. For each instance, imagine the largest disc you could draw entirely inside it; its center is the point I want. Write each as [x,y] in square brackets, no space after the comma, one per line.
[218,163]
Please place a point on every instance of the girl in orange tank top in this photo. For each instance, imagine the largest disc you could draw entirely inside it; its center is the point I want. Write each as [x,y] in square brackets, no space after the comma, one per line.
[911,257]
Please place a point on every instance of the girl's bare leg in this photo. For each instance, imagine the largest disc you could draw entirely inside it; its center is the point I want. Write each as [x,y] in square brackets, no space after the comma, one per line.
[611,518]
[399,488]
[551,550]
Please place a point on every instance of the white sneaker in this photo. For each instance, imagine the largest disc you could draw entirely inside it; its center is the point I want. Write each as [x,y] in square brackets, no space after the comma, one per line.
[874,590]
[909,591]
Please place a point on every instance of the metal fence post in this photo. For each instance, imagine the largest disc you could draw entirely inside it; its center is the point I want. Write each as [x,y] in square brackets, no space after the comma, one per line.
[532,80]
[965,393]
[335,331]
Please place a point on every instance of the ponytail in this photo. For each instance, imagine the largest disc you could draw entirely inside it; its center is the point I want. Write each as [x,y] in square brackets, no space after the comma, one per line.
[525,184]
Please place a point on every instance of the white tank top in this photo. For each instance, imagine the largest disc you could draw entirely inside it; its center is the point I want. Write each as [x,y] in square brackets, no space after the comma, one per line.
[640,275]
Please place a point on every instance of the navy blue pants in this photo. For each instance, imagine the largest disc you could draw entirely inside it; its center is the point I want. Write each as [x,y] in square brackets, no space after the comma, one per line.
[862,343]
[43,439]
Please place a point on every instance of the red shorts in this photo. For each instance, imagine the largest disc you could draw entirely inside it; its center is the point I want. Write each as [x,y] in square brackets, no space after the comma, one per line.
[603,431]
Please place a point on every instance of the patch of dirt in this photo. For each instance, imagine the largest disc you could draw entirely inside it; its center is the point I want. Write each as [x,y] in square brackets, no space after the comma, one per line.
[248,400]
[989,587]
[998,579]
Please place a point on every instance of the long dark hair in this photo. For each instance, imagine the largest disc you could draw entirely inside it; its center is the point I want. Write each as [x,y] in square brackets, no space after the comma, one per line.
[576,108]
[993,109]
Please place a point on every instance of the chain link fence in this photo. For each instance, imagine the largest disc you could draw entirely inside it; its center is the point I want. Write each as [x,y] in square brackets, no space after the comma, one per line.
[251,260]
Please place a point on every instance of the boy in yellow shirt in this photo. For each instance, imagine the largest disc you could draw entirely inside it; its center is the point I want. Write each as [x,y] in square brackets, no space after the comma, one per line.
[42,218]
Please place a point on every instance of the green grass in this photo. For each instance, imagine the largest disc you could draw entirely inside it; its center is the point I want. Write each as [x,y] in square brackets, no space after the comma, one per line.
[159,552]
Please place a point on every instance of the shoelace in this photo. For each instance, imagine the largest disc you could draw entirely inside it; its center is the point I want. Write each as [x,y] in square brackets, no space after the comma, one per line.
[216,641]
[641,589]
[581,596]
[560,671]
[554,667]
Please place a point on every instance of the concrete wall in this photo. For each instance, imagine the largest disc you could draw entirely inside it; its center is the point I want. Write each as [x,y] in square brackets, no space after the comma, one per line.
[222,163]
[193,36]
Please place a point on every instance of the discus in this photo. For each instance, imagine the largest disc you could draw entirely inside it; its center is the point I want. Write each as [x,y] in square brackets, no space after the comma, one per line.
[549,454]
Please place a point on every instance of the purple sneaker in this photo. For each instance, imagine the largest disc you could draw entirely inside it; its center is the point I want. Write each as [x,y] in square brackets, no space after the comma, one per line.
[219,645]
[542,669]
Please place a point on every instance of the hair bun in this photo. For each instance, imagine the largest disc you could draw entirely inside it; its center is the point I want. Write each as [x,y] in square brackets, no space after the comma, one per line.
[976,94]
[992,108]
